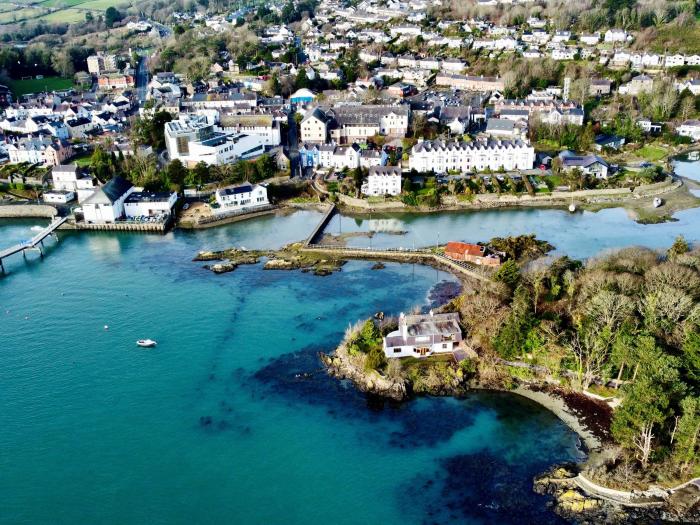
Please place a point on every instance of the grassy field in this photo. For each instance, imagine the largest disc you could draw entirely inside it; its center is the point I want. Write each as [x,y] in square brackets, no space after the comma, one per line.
[66,11]
[67,16]
[652,153]
[22,87]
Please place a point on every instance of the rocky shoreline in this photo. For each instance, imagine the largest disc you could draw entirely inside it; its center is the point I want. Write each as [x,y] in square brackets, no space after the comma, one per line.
[585,416]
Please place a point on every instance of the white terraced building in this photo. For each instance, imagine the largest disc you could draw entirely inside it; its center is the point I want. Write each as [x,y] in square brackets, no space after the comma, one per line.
[442,157]
[383,180]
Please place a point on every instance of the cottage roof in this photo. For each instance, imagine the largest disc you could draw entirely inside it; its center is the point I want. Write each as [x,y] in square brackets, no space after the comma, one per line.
[464,248]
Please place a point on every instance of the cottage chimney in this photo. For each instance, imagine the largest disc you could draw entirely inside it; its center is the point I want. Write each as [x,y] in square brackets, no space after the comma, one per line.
[431,313]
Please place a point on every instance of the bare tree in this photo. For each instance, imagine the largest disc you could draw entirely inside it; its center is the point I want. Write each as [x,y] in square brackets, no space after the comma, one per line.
[590,352]
[642,442]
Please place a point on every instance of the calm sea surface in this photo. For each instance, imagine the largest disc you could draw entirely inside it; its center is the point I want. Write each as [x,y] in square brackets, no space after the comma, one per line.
[229,419]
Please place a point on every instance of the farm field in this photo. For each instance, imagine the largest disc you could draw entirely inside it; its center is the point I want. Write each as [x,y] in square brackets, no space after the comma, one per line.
[58,11]
[22,87]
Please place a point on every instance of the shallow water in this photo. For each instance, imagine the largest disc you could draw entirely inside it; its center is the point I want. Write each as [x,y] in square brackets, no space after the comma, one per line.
[579,235]
[229,419]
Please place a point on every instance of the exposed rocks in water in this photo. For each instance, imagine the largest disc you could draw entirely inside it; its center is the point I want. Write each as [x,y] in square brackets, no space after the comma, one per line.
[288,258]
[320,267]
[221,267]
[233,255]
[378,266]
[657,219]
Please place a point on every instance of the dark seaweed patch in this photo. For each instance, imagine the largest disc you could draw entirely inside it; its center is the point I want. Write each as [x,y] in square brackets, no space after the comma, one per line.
[298,378]
[483,487]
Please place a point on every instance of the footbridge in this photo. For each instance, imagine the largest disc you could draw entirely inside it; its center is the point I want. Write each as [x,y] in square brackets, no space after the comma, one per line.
[35,243]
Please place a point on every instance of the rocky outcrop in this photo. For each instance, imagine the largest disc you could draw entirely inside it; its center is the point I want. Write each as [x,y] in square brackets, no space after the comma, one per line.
[221,267]
[370,382]
[573,503]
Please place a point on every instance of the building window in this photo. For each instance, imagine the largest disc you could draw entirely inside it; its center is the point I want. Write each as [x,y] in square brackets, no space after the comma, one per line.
[444,345]
[397,350]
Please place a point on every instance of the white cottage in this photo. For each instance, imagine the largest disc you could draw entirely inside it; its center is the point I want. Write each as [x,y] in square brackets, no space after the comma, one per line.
[423,335]
[241,197]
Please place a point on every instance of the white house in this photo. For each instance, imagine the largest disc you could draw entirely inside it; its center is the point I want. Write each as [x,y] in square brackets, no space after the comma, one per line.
[149,204]
[588,164]
[423,335]
[106,204]
[442,157]
[58,196]
[241,197]
[383,180]
[68,177]
[689,128]
[615,35]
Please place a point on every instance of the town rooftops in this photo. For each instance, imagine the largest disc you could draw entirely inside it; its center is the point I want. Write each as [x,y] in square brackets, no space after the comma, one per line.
[237,189]
[65,168]
[581,161]
[425,328]
[148,196]
[110,192]
[432,145]
[503,125]
[385,171]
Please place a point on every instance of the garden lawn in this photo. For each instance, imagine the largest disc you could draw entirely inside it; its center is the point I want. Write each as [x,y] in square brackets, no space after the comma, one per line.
[652,153]
[33,85]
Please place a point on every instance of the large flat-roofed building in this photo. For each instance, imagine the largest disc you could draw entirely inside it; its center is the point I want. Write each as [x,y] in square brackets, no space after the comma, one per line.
[149,204]
[470,83]
[195,139]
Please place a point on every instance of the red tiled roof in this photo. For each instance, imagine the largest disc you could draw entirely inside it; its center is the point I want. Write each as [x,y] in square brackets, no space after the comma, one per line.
[464,248]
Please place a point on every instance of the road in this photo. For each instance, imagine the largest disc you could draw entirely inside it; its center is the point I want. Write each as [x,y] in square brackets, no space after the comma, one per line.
[142,80]
[292,143]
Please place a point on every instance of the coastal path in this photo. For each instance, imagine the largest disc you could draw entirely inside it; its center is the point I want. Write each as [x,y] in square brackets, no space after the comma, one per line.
[35,243]
[402,255]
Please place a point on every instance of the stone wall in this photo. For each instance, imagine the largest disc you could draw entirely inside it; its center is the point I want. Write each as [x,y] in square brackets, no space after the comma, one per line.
[362,203]
[27,211]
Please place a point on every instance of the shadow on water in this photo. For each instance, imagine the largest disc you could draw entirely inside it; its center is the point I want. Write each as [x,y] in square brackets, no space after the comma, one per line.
[491,485]
[298,378]
[481,487]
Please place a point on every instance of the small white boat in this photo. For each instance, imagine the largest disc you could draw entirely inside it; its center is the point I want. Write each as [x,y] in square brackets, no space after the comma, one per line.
[657,202]
[572,207]
[37,228]
[146,343]
[694,155]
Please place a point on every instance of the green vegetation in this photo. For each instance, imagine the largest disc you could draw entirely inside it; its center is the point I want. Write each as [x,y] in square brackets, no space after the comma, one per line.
[34,85]
[144,171]
[368,341]
[652,153]
[632,316]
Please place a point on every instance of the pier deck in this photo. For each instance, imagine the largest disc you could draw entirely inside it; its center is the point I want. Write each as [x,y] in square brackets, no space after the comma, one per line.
[32,243]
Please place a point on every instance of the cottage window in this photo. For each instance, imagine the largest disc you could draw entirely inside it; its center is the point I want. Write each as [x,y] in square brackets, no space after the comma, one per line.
[397,350]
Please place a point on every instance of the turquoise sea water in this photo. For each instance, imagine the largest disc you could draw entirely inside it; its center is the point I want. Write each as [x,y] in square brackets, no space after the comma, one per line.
[230,419]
